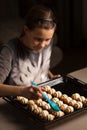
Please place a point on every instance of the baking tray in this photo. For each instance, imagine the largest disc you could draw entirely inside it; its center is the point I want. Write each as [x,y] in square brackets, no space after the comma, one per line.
[67,85]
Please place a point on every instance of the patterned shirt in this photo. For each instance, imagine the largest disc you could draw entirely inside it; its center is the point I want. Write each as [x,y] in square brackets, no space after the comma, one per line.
[20,65]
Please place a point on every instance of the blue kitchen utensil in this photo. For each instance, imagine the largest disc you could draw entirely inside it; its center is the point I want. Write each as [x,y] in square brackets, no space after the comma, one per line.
[53,105]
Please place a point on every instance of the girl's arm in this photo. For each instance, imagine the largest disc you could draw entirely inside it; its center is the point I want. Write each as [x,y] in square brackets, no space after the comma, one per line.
[52,76]
[28,92]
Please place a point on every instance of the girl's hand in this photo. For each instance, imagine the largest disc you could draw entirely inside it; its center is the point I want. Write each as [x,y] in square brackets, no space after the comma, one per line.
[55,76]
[52,76]
[33,92]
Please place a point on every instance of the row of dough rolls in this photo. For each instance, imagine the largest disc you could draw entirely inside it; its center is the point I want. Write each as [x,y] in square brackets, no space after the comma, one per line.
[67,104]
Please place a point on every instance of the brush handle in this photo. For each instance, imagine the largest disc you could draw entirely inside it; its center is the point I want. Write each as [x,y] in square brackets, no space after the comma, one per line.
[34,84]
[45,96]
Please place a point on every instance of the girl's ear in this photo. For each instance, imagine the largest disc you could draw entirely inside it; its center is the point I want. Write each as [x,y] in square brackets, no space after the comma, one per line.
[26,29]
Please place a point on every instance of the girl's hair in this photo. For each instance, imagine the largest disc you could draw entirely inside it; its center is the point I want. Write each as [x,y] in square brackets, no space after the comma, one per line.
[40,16]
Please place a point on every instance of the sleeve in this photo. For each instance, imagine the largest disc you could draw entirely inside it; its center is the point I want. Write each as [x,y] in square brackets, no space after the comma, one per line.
[5,62]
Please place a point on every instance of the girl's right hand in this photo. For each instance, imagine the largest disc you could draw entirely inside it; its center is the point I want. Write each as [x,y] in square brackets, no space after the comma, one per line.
[33,92]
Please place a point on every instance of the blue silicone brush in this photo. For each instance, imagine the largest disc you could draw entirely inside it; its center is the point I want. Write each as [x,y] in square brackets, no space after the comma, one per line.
[53,105]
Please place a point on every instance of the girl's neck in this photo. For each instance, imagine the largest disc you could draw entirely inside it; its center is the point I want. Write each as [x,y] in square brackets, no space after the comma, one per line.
[24,41]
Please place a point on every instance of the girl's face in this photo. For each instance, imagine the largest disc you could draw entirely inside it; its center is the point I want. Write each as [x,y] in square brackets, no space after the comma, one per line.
[38,38]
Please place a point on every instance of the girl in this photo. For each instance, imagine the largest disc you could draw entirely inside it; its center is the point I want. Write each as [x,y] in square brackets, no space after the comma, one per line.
[27,58]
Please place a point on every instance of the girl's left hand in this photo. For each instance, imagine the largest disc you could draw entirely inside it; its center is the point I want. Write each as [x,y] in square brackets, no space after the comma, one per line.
[56,76]
[52,76]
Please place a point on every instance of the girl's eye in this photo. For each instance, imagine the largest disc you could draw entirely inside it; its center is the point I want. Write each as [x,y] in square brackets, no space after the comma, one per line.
[47,39]
[41,40]
[38,39]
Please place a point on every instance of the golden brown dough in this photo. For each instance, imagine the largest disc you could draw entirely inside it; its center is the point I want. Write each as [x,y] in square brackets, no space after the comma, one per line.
[22,100]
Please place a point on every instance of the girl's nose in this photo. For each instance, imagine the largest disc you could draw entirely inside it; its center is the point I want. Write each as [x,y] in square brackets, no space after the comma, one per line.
[43,44]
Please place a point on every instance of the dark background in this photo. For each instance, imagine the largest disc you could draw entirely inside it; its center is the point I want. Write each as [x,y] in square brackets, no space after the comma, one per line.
[70,34]
[69,14]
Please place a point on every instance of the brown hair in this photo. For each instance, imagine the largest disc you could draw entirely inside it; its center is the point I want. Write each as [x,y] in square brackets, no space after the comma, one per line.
[40,16]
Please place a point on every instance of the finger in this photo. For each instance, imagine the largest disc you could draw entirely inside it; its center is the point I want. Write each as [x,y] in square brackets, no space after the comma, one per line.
[34,95]
[59,75]
[33,89]
[36,89]
[43,88]
[39,94]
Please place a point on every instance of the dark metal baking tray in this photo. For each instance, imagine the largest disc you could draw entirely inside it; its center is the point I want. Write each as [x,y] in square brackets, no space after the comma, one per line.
[67,85]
